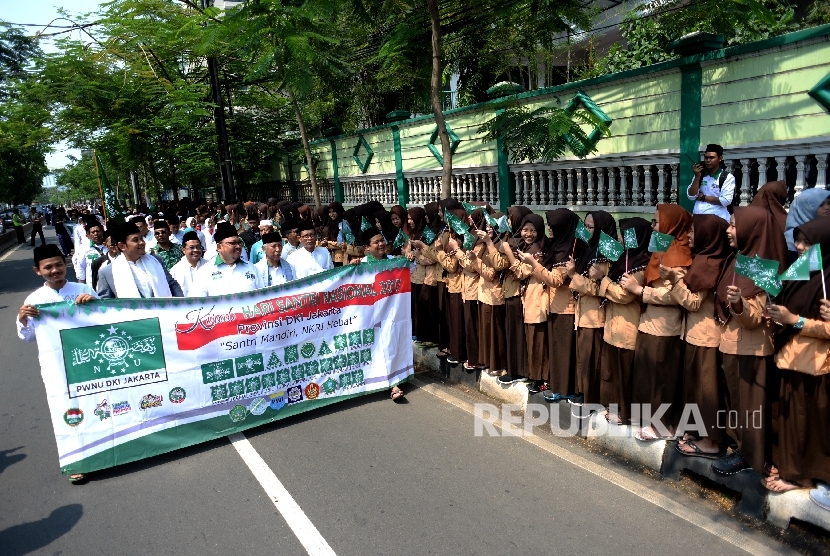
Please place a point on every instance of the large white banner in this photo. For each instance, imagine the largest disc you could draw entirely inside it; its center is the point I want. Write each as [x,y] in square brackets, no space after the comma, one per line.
[131,378]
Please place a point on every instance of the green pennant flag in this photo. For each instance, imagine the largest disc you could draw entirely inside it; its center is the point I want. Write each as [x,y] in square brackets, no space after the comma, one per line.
[111,209]
[348,236]
[469,240]
[630,238]
[400,240]
[761,271]
[469,208]
[809,262]
[428,236]
[504,225]
[364,224]
[659,242]
[492,222]
[582,232]
[610,247]
[455,223]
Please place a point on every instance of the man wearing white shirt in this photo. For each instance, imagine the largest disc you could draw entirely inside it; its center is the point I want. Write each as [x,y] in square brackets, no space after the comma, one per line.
[94,249]
[135,274]
[309,259]
[184,271]
[50,265]
[176,233]
[292,239]
[79,242]
[273,269]
[146,233]
[711,189]
[227,272]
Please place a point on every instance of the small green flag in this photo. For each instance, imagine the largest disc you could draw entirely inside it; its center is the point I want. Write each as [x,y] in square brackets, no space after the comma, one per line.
[630,238]
[455,223]
[348,236]
[469,240]
[428,236]
[659,242]
[364,224]
[469,208]
[504,225]
[400,240]
[809,262]
[111,209]
[610,247]
[492,222]
[582,232]
[761,271]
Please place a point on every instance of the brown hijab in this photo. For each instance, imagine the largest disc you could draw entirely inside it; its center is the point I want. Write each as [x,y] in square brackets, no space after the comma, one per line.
[757,233]
[675,221]
[711,250]
[772,196]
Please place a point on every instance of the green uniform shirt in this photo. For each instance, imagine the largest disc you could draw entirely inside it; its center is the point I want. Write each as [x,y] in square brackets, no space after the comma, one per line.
[170,256]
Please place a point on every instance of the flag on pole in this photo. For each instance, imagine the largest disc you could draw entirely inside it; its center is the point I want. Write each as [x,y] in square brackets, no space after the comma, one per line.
[364,224]
[400,239]
[469,240]
[428,236]
[809,262]
[630,238]
[469,208]
[455,223]
[504,225]
[111,209]
[761,271]
[659,242]
[582,232]
[492,222]
[610,247]
[348,235]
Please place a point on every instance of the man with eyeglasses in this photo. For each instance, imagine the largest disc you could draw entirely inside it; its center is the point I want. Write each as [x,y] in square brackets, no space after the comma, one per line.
[227,272]
[170,253]
[184,271]
[309,259]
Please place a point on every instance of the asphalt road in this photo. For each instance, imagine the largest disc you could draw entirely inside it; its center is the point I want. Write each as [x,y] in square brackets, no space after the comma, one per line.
[372,476]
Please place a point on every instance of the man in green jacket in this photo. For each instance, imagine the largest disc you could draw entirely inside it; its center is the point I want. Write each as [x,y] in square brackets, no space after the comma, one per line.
[17,222]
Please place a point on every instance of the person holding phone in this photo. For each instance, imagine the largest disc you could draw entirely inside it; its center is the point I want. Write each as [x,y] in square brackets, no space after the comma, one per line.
[713,187]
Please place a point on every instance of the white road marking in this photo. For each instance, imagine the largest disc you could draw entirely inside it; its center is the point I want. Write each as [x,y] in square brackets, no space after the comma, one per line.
[10,251]
[306,532]
[729,535]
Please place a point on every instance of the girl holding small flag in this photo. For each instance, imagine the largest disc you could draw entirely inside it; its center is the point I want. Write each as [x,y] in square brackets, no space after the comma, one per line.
[658,355]
[586,274]
[622,317]
[424,278]
[695,293]
[491,332]
[534,303]
[515,345]
[468,261]
[562,224]
[746,339]
[445,250]
[803,355]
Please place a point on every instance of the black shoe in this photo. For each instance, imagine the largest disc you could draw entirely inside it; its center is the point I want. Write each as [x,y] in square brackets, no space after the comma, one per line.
[452,360]
[533,387]
[730,464]
[510,379]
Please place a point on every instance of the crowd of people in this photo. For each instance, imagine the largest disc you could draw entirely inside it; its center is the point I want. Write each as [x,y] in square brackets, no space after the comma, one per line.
[537,301]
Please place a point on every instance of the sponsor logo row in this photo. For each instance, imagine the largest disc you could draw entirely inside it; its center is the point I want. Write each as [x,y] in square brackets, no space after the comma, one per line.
[74,416]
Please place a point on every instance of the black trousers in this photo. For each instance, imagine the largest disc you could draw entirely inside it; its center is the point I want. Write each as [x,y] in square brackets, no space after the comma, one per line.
[20,237]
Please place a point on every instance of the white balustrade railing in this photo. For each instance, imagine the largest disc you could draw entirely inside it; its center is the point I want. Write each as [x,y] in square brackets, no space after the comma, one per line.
[305,194]
[636,182]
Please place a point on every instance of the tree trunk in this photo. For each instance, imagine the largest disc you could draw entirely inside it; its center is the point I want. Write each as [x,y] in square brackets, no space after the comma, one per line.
[435,99]
[312,169]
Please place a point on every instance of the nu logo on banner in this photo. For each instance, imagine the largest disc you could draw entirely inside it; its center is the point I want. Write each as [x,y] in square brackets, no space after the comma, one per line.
[113,356]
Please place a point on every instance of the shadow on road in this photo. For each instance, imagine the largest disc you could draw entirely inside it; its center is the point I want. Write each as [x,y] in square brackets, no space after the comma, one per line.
[28,537]
[7,458]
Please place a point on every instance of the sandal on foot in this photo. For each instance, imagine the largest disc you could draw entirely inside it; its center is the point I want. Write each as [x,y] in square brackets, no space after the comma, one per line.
[770,469]
[77,478]
[396,393]
[697,452]
[784,485]
[651,436]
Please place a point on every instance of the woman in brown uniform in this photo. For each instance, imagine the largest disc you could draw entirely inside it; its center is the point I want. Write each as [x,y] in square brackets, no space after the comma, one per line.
[658,357]
[622,317]
[590,320]
[804,359]
[695,292]
[746,340]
